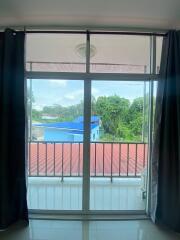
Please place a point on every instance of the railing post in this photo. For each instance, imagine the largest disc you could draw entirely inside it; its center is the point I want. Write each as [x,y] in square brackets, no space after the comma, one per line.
[29,159]
[95,173]
[111,161]
[54,163]
[144,153]
[70,159]
[79,159]
[119,159]
[127,159]
[38,159]
[46,159]
[103,159]
[62,173]
[136,161]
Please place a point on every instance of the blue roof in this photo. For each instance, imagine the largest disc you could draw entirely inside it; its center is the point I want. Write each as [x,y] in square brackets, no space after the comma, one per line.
[72,126]
[81,119]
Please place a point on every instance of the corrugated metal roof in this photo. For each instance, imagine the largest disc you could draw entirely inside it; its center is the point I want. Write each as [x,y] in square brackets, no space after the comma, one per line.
[72,126]
[81,119]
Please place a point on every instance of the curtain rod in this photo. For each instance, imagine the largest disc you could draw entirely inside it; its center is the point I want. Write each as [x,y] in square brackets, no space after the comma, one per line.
[97,32]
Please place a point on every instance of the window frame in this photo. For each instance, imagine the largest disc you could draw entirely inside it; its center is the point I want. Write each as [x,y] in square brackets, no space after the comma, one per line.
[88,77]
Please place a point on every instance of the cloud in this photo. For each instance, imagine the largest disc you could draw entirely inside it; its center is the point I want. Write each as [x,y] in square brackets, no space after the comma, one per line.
[95,91]
[79,94]
[70,97]
[38,107]
[76,95]
[58,82]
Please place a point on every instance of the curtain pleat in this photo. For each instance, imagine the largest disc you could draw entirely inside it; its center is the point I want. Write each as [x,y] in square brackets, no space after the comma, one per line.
[13,203]
[165,194]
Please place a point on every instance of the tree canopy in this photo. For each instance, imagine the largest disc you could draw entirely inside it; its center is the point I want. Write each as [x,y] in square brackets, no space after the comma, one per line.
[121,120]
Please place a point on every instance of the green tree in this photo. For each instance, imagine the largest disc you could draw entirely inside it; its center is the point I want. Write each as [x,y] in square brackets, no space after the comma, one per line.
[121,120]
[138,118]
[36,115]
[64,113]
[112,110]
[93,105]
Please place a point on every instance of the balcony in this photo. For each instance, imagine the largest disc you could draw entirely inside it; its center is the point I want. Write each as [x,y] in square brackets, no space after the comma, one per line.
[117,170]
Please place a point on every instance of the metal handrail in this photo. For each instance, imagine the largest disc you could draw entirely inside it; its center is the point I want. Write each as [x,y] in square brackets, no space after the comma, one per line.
[115,142]
[57,158]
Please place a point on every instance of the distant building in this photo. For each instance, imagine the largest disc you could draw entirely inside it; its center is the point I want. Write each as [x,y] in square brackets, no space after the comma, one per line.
[49,117]
[94,119]
[69,131]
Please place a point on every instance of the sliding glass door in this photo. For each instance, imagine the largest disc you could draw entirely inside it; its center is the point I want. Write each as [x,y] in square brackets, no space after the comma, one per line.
[90,104]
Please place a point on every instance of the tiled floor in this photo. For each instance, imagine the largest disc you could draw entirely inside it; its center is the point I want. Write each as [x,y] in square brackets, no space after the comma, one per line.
[88,230]
[52,194]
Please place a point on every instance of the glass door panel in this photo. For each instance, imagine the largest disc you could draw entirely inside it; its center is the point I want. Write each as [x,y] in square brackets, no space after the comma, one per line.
[55,144]
[119,145]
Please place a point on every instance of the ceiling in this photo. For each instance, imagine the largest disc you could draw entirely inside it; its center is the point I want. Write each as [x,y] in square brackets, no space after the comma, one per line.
[159,14]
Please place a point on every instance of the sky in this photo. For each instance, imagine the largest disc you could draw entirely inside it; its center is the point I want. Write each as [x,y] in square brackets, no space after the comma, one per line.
[70,92]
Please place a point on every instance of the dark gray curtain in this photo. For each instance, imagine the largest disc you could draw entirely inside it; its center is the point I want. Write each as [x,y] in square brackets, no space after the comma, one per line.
[166,150]
[13,205]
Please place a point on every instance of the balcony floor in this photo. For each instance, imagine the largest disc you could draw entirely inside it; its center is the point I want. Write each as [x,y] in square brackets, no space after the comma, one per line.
[50,193]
